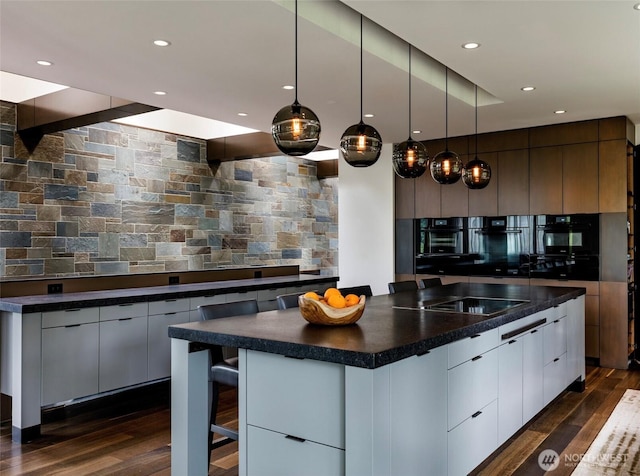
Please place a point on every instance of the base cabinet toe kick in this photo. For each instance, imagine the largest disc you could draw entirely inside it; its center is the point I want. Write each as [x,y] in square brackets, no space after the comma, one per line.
[444,411]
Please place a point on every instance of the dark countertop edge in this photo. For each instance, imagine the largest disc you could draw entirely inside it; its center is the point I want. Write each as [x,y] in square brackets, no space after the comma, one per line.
[364,359]
[58,302]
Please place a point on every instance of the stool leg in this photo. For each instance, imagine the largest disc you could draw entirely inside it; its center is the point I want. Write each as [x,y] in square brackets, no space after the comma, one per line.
[215,396]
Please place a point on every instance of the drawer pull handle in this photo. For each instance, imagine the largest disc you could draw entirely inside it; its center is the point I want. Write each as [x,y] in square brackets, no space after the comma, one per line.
[293,357]
[423,352]
[475,335]
[513,341]
[170,313]
[295,438]
[534,331]
[170,300]
[126,319]
[476,414]
[556,321]
[72,325]
[125,305]
[523,329]
[556,359]
[72,310]
[477,357]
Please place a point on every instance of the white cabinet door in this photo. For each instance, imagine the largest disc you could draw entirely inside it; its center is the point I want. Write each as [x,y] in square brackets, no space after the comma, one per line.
[532,373]
[159,344]
[575,339]
[510,388]
[418,419]
[472,441]
[276,454]
[299,397]
[123,352]
[69,362]
[555,378]
[472,385]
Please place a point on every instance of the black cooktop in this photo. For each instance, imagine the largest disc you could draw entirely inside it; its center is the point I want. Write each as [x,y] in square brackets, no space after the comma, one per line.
[474,305]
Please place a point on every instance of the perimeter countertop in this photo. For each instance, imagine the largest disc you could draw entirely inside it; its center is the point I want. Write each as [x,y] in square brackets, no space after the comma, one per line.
[384,334]
[57,302]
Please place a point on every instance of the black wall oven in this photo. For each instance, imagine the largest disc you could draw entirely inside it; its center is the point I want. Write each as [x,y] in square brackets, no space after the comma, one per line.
[567,247]
[501,245]
[441,246]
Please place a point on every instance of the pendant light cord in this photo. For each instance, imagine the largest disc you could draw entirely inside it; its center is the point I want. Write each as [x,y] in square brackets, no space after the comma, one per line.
[476,88]
[296,50]
[361,113]
[409,90]
[446,108]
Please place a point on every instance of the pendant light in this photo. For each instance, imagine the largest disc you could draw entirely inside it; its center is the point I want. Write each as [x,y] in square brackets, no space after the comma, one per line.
[361,143]
[477,173]
[410,158]
[296,128]
[446,166]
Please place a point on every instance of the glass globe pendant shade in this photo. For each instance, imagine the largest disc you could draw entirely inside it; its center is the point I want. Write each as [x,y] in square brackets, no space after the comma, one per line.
[476,174]
[361,145]
[295,130]
[410,159]
[446,167]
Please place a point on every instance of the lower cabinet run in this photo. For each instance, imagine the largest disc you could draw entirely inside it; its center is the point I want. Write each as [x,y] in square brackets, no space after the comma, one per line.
[439,413]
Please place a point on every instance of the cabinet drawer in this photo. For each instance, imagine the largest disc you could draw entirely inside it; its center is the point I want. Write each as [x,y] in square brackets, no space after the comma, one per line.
[560,310]
[473,440]
[299,397]
[275,454]
[554,378]
[205,301]
[241,296]
[70,317]
[123,353]
[555,339]
[270,294]
[159,344]
[122,311]
[168,305]
[465,349]
[472,386]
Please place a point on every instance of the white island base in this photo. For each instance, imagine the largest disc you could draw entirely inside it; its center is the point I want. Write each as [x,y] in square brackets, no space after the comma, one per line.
[440,413]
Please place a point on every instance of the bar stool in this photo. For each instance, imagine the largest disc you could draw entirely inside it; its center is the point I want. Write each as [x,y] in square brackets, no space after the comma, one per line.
[430,283]
[401,286]
[365,289]
[223,371]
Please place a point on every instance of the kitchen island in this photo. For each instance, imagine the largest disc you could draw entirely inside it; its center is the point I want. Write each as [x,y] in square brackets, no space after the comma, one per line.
[409,388]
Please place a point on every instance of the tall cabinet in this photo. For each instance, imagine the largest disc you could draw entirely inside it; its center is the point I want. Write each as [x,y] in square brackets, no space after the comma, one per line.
[579,167]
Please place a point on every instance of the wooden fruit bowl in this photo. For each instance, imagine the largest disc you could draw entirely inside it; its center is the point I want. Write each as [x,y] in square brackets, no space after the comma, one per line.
[317,312]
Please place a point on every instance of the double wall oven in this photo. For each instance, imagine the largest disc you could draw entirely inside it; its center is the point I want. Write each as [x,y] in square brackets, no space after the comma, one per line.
[543,246]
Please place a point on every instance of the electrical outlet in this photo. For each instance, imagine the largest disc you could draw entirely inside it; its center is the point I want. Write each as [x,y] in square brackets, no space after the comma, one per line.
[55,288]
[174,279]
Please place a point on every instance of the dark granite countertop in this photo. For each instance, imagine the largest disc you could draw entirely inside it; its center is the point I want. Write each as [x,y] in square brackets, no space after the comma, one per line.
[383,334]
[56,302]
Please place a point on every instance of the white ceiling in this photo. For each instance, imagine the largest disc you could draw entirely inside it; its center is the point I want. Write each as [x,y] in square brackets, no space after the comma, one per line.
[234,56]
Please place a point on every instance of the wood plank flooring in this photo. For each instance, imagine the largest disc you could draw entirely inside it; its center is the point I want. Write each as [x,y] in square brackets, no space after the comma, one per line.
[133,437]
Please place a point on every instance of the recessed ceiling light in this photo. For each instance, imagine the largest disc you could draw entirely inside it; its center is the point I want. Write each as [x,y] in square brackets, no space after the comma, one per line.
[369,115]
[161,42]
[44,63]
[288,86]
[528,88]
[471,45]
[636,6]
[159,93]
[242,114]
[559,111]
[417,131]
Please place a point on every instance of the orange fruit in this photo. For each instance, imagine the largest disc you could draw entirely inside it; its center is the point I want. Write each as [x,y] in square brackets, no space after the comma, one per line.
[312,295]
[351,299]
[337,301]
[331,292]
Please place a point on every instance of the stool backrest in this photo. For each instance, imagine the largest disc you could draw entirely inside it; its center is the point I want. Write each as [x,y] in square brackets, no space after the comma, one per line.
[430,283]
[365,289]
[228,309]
[288,301]
[400,286]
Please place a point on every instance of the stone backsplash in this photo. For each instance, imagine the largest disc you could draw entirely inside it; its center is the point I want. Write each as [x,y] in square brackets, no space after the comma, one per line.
[116,199]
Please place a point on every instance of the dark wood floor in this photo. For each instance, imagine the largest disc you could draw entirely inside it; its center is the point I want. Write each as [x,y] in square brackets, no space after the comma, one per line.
[117,438]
